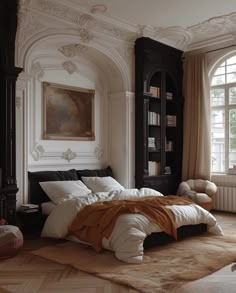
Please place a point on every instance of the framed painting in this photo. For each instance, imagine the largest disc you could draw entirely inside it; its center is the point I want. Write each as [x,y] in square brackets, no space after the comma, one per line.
[68,112]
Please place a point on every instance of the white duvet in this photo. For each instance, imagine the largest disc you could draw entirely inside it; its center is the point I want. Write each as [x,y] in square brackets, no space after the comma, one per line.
[130,230]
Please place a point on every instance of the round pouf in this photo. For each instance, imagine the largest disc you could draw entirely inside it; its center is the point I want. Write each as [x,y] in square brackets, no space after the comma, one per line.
[11,240]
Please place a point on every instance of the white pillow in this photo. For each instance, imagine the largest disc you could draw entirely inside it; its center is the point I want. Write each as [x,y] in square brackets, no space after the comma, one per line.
[59,191]
[102,184]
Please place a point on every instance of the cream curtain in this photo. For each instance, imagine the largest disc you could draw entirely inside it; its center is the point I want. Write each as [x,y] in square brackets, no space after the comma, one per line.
[196,135]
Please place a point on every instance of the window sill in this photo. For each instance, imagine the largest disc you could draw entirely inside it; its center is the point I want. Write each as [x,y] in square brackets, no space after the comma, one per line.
[228,180]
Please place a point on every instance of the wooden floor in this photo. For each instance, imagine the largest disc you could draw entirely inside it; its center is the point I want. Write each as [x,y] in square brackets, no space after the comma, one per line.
[22,274]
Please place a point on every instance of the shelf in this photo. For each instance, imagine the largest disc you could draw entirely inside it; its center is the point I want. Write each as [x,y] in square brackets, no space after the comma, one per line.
[154,151]
[151,97]
[158,176]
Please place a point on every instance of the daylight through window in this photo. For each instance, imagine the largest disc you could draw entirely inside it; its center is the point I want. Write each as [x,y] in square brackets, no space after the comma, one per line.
[223,117]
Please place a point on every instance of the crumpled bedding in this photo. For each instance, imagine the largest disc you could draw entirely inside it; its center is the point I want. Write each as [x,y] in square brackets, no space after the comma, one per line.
[130,230]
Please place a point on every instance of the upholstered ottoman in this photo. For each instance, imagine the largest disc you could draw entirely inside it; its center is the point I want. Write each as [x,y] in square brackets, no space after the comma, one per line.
[11,240]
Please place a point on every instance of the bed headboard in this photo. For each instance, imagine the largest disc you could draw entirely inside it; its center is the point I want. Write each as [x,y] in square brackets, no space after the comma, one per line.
[36,193]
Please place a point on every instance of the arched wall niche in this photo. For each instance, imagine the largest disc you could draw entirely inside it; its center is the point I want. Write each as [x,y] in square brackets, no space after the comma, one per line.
[65,59]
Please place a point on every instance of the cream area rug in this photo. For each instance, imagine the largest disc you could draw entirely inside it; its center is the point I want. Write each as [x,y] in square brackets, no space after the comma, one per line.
[164,269]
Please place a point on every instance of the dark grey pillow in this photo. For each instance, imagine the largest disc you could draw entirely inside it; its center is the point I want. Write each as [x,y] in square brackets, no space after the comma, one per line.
[95,173]
[36,193]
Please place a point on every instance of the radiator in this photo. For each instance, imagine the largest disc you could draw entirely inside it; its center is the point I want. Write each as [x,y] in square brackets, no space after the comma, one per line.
[225,199]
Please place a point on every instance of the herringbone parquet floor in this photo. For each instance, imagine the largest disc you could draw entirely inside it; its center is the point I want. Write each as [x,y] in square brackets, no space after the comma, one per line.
[27,273]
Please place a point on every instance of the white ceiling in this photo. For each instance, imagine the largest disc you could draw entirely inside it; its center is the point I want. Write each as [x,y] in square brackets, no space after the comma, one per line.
[163,13]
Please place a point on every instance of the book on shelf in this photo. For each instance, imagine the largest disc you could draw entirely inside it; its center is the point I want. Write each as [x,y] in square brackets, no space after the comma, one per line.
[155,91]
[152,143]
[147,94]
[154,118]
[169,146]
[29,210]
[30,206]
[170,120]
[145,88]
[169,96]
[154,168]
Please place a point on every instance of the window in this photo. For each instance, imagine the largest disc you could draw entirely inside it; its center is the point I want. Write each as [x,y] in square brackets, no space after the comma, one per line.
[223,117]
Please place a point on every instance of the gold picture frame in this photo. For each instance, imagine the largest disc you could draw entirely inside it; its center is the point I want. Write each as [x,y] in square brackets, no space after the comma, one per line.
[68,112]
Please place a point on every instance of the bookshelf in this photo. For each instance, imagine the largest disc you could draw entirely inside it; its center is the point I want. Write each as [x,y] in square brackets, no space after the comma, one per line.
[158,112]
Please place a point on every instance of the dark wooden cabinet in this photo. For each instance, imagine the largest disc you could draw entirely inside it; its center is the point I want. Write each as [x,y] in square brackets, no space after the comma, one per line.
[8,76]
[31,222]
[158,115]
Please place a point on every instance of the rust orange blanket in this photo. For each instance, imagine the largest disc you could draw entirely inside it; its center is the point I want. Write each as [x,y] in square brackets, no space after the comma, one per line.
[97,220]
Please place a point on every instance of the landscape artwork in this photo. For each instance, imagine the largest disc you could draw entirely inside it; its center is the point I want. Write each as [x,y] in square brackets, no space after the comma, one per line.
[68,112]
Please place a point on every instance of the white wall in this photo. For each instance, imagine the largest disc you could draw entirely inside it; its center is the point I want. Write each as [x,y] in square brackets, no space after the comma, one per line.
[64,57]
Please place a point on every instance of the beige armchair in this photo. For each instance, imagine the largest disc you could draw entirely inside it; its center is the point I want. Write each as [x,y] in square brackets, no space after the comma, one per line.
[199,190]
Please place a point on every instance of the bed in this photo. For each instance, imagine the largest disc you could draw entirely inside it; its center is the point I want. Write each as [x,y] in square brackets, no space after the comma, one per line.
[66,195]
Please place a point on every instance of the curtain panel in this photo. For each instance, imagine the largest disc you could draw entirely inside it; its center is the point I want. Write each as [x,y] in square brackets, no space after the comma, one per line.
[196,140]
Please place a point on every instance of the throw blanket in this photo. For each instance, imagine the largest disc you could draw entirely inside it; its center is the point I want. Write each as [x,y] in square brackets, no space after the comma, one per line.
[97,220]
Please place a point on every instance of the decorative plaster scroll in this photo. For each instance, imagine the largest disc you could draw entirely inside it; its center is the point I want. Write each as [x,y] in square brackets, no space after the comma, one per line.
[36,70]
[72,50]
[18,103]
[38,152]
[98,151]
[174,36]
[69,67]
[85,23]
[98,8]
[69,155]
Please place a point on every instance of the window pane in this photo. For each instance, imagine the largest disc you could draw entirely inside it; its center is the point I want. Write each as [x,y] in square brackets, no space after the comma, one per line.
[232,130]
[231,60]
[218,140]
[232,95]
[231,77]
[231,68]
[222,64]
[219,70]
[217,157]
[219,79]
[218,97]
[232,159]
[217,121]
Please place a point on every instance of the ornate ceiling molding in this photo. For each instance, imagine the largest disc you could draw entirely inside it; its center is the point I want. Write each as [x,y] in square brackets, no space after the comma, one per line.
[174,36]
[98,8]
[53,8]
[89,19]
[28,25]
